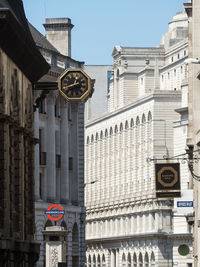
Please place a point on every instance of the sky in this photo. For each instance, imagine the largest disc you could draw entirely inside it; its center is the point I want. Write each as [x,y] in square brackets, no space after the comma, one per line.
[99,25]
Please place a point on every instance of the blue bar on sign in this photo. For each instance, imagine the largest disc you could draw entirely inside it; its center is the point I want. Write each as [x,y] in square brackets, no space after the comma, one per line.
[184,204]
[54,212]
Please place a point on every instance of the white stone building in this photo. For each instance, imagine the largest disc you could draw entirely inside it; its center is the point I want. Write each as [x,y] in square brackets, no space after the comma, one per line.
[126,224]
[59,156]
[193,138]
[97,105]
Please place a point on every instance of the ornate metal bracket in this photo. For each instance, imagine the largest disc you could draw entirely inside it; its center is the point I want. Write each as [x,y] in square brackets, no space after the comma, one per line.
[190,157]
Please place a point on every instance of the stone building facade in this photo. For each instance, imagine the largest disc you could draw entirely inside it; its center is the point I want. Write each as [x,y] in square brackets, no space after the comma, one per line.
[193,141]
[59,156]
[126,224]
[17,75]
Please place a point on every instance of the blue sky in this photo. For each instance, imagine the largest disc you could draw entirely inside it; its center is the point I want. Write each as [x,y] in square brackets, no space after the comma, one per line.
[99,25]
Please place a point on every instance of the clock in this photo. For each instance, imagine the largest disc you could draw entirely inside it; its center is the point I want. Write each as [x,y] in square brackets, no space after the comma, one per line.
[75,85]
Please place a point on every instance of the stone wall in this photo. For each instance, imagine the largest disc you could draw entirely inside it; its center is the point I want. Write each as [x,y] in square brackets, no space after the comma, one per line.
[16,166]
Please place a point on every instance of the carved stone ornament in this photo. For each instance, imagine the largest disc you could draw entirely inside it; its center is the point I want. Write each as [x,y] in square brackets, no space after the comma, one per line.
[53,256]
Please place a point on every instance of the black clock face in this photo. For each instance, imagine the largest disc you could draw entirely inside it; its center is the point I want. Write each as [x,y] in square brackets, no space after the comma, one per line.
[74,84]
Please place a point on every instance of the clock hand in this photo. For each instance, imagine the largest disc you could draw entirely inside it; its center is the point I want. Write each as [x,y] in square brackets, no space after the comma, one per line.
[67,86]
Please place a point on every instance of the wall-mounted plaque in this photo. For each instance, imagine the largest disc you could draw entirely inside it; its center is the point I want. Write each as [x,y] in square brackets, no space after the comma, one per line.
[168,183]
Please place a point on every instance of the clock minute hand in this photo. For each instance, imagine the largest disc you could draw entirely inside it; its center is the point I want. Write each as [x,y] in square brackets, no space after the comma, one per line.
[67,86]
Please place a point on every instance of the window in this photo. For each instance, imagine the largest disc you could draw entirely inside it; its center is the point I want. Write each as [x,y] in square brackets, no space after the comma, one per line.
[178,56]
[172,59]
[42,155]
[58,161]
[174,73]
[109,75]
[42,106]
[70,163]
[40,185]
[57,108]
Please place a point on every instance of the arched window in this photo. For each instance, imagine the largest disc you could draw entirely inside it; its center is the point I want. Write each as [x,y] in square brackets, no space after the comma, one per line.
[106,133]
[152,260]
[89,261]
[149,116]
[98,261]
[137,121]
[88,140]
[132,123]
[129,260]
[123,260]
[126,125]
[146,260]
[101,135]
[143,118]
[94,261]
[121,127]
[97,137]
[63,224]
[116,129]
[103,261]
[75,237]
[140,260]
[134,260]
[111,131]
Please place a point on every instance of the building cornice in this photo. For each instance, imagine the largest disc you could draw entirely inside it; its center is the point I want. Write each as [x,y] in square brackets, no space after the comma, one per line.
[137,237]
[157,94]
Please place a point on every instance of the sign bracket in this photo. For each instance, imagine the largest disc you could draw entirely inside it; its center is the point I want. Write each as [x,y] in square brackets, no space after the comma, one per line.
[190,157]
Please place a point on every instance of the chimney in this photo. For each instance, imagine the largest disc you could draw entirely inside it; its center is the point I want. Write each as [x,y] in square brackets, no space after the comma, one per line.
[58,33]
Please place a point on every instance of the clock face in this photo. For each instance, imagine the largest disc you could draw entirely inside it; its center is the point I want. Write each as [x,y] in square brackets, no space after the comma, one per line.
[74,84]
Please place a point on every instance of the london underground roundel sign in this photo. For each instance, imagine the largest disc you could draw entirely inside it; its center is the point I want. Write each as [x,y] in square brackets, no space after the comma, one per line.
[51,211]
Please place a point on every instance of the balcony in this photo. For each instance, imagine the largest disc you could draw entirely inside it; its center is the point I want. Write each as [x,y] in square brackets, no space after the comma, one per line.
[43,158]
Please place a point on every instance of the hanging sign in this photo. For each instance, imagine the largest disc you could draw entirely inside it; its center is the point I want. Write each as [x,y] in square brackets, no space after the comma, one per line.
[167,177]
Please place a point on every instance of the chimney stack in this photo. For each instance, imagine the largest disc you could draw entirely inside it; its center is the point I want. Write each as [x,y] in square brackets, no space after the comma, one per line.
[58,33]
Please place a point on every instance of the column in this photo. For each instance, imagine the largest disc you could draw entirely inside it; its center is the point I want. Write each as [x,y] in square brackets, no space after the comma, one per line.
[112,259]
[51,154]
[36,155]
[64,171]
[117,258]
[73,151]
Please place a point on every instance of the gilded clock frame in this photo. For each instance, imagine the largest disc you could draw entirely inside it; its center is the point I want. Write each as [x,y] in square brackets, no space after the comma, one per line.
[74,98]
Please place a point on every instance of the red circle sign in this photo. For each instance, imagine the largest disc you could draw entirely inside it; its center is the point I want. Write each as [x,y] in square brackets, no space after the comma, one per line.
[60,211]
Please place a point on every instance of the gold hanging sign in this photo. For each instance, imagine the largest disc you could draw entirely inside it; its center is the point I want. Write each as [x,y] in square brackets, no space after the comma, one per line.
[168,184]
